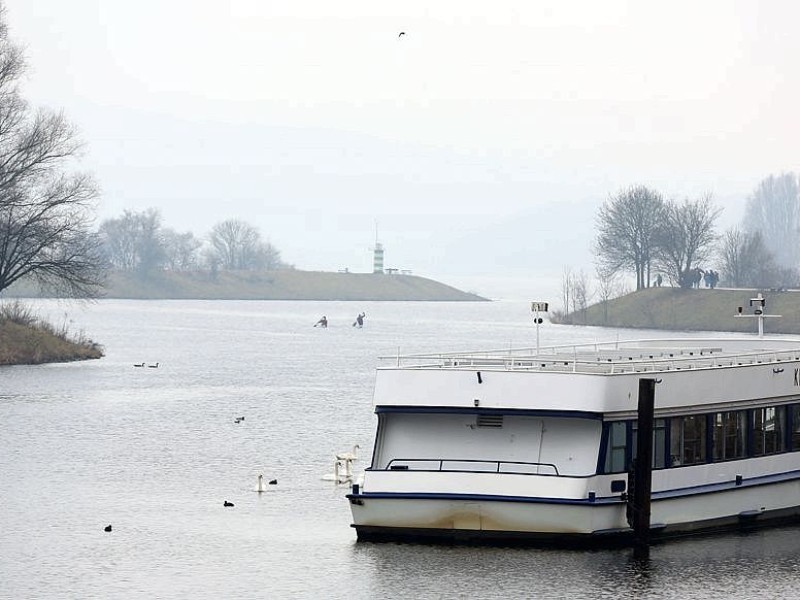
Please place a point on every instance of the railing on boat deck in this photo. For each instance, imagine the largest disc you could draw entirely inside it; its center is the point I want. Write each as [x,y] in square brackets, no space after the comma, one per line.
[606,358]
[466,465]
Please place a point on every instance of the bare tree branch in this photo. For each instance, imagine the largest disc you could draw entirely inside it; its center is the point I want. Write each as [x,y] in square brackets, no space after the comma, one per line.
[627,232]
[45,213]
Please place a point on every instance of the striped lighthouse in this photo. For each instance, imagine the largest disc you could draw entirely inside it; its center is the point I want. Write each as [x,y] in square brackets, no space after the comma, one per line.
[377,258]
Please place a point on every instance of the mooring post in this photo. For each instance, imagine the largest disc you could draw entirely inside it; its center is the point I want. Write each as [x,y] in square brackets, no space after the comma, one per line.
[640,478]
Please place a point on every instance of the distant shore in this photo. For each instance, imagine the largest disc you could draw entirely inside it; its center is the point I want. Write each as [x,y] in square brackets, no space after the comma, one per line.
[679,309]
[287,284]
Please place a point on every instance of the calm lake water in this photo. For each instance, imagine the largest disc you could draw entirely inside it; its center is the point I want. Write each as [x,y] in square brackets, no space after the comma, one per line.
[155,452]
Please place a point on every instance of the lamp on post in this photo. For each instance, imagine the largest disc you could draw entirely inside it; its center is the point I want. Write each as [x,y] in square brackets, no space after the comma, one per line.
[536,308]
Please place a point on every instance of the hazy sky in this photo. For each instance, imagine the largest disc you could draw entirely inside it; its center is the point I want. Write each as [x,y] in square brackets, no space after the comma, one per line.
[481,141]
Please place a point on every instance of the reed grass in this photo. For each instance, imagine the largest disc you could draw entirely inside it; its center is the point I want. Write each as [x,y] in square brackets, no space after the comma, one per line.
[25,338]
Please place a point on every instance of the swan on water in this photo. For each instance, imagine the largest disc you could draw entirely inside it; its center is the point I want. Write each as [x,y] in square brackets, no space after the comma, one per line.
[260,487]
[226,503]
[342,472]
[349,456]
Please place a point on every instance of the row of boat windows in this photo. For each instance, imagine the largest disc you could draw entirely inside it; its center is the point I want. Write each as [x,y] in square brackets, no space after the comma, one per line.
[714,437]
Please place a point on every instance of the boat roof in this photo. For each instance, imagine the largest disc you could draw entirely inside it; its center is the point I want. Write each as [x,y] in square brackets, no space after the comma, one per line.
[615,357]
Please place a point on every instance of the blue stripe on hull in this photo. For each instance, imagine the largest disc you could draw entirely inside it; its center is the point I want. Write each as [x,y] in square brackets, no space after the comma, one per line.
[712,488]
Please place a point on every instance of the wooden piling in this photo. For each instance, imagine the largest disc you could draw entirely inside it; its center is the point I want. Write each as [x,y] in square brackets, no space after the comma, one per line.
[640,477]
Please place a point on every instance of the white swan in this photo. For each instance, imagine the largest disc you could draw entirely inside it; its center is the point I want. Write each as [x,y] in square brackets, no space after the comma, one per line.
[342,472]
[349,456]
[260,487]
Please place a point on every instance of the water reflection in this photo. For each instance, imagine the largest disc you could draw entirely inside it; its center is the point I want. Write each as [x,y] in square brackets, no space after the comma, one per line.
[753,565]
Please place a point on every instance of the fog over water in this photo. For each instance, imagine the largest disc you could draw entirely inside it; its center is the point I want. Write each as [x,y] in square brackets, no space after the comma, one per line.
[482,141]
[155,452]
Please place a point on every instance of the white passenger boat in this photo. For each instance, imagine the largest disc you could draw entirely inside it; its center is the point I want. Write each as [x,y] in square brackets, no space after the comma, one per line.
[535,446]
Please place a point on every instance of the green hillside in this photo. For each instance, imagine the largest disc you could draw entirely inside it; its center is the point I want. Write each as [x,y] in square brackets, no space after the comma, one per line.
[696,309]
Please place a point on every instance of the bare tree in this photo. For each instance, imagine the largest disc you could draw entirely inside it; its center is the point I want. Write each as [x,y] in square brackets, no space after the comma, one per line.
[628,225]
[268,257]
[181,250]
[774,210]
[746,262]
[566,288]
[607,287]
[686,236]
[236,245]
[45,213]
[580,294]
[134,241]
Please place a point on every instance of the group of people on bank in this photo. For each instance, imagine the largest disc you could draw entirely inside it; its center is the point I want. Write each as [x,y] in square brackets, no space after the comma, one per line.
[359,322]
[692,278]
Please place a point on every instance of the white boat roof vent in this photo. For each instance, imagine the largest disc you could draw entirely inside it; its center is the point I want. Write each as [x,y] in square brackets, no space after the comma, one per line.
[489,421]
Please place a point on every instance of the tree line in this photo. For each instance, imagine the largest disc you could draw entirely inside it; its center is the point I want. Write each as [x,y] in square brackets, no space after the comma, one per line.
[641,233]
[47,208]
[139,242]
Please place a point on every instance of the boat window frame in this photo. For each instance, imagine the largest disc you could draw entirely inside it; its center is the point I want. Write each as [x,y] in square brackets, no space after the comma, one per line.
[793,427]
[742,419]
[700,444]
[759,442]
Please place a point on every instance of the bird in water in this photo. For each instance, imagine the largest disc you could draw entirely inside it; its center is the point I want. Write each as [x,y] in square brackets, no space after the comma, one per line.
[401,34]
[226,503]
[349,455]
[153,366]
[260,488]
[107,528]
[139,365]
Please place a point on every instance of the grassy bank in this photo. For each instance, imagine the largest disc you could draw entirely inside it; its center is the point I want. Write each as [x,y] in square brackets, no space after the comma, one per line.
[272,285]
[27,340]
[691,310]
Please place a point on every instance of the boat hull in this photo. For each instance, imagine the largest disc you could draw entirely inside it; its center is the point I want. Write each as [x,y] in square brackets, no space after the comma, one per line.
[540,522]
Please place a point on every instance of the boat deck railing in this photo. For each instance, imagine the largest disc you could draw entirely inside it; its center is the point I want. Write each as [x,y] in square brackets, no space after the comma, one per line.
[451,465]
[640,356]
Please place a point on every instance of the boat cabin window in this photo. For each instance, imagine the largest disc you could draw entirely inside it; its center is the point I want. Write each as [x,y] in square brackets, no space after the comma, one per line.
[768,430]
[729,433]
[659,442]
[622,435]
[688,440]
[616,453]
[795,437]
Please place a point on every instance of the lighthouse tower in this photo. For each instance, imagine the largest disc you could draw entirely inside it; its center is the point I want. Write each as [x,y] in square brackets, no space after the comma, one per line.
[377,258]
